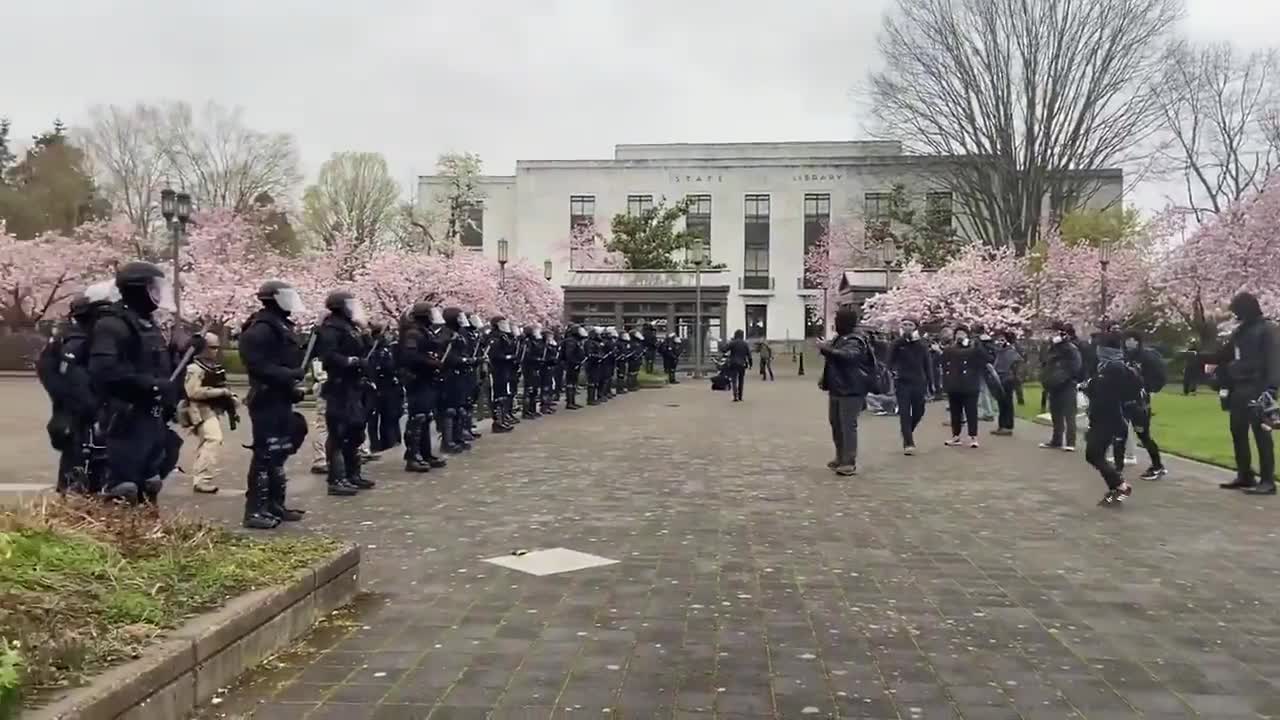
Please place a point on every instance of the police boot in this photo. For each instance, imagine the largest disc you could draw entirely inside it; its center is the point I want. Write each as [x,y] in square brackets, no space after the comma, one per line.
[509,412]
[413,461]
[122,492]
[469,422]
[448,441]
[527,411]
[591,395]
[571,398]
[256,499]
[424,450]
[462,428]
[278,487]
[337,478]
[354,460]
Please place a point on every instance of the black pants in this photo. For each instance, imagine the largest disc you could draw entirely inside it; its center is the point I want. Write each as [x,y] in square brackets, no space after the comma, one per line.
[1142,428]
[842,413]
[1242,422]
[910,410]
[766,366]
[141,449]
[737,378]
[1062,407]
[1017,390]
[1099,438]
[963,405]
[271,427]
[345,417]
[384,421]
[1189,385]
[1004,401]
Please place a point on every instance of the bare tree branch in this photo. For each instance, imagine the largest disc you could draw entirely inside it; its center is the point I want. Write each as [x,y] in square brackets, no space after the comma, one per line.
[1027,96]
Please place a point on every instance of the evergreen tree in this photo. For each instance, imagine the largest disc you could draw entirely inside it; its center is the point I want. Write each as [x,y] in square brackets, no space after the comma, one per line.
[6,155]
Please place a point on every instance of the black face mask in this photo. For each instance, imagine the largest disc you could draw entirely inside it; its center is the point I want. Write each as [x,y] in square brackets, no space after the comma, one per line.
[138,299]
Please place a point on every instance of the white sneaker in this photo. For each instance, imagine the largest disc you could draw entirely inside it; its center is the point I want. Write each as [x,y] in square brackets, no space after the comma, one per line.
[953,442]
[1068,448]
[973,442]
[909,450]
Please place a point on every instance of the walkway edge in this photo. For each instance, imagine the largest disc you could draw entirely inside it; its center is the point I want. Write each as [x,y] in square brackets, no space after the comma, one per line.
[1165,453]
[211,651]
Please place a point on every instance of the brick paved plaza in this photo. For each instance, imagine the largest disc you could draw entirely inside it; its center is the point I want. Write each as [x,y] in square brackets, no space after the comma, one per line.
[750,582]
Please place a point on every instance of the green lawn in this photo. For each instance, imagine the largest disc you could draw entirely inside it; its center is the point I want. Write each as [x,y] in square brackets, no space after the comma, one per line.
[1192,426]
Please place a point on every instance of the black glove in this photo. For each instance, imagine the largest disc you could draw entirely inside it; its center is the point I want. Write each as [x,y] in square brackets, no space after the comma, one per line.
[166,393]
[355,363]
[298,394]
[297,374]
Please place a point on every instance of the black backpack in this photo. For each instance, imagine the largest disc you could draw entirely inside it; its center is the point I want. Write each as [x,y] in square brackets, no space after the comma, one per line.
[1154,374]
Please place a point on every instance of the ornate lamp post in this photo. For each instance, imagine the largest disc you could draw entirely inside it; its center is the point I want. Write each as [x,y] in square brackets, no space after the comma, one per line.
[502,261]
[1105,251]
[697,256]
[546,270]
[176,209]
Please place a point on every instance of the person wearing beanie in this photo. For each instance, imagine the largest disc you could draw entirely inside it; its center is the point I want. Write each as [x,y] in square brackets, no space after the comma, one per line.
[912,370]
[847,376]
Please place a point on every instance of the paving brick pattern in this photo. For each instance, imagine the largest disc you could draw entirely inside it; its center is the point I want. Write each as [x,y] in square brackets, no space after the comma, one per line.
[753,583]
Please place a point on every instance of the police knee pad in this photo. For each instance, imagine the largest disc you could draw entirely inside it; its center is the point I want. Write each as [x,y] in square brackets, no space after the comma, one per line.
[121,492]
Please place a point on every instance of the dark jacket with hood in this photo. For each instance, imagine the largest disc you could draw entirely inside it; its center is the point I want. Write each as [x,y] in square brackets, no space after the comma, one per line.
[963,368]
[1251,359]
[1062,365]
[1112,386]
[910,362]
[850,361]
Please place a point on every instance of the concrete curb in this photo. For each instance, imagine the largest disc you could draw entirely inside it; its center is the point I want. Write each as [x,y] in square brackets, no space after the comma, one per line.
[1164,453]
[208,653]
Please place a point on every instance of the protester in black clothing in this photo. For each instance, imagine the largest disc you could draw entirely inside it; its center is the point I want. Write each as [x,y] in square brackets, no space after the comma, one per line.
[1113,386]
[1150,367]
[912,369]
[1192,370]
[846,378]
[738,357]
[1008,368]
[963,365]
[1059,375]
[1250,364]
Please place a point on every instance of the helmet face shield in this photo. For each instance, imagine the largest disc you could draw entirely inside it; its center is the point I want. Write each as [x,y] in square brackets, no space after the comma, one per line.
[504,326]
[582,332]
[289,300]
[355,310]
[102,292]
[462,321]
[160,290]
[437,316]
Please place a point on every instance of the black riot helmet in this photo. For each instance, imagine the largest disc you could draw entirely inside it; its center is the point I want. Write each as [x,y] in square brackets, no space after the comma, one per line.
[346,304]
[421,311]
[144,287]
[500,324]
[280,295]
[452,317]
[594,332]
[98,295]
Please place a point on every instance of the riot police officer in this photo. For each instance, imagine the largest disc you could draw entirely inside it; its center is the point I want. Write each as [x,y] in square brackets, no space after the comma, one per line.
[531,360]
[650,342]
[593,348]
[388,394]
[478,344]
[131,368]
[671,357]
[637,358]
[275,359]
[550,363]
[63,370]
[501,354]
[573,354]
[622,360]
[455,361]
[340,347]
[420,363]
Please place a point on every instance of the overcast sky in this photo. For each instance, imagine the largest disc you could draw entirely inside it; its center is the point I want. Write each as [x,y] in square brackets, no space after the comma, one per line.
[509,79]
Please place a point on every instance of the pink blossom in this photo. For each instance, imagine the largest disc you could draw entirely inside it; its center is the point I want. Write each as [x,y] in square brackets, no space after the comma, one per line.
[980,285]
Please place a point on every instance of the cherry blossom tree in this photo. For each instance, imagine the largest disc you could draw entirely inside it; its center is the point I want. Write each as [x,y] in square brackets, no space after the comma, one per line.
[525,296]
[1236,250]
[981,285]
[842,247]
[1068,283]
[586,248]
[39,276]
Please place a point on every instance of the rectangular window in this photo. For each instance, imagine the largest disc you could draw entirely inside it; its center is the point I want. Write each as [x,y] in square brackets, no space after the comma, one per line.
[757,322]
[473,227]
[938,206]
[817,220]
[582,210]
[639,204]
[876,207]
[755,233]
[698,221]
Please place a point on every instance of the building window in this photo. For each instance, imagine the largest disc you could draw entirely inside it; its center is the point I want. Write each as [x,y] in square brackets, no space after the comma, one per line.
[757,322]
[639,204]
[938,209]
[817,221]
[698,221]
[472,235]
[582,211]
[877,208]
[755,233]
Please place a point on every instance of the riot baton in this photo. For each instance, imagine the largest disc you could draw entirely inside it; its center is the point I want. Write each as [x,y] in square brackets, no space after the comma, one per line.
[311,346]
[186,356]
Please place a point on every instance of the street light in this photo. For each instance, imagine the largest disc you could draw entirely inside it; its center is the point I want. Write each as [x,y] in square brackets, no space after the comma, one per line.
[888,255]
[502,261]
[546,270]
[1105,251]
[176,209]
[697,256]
